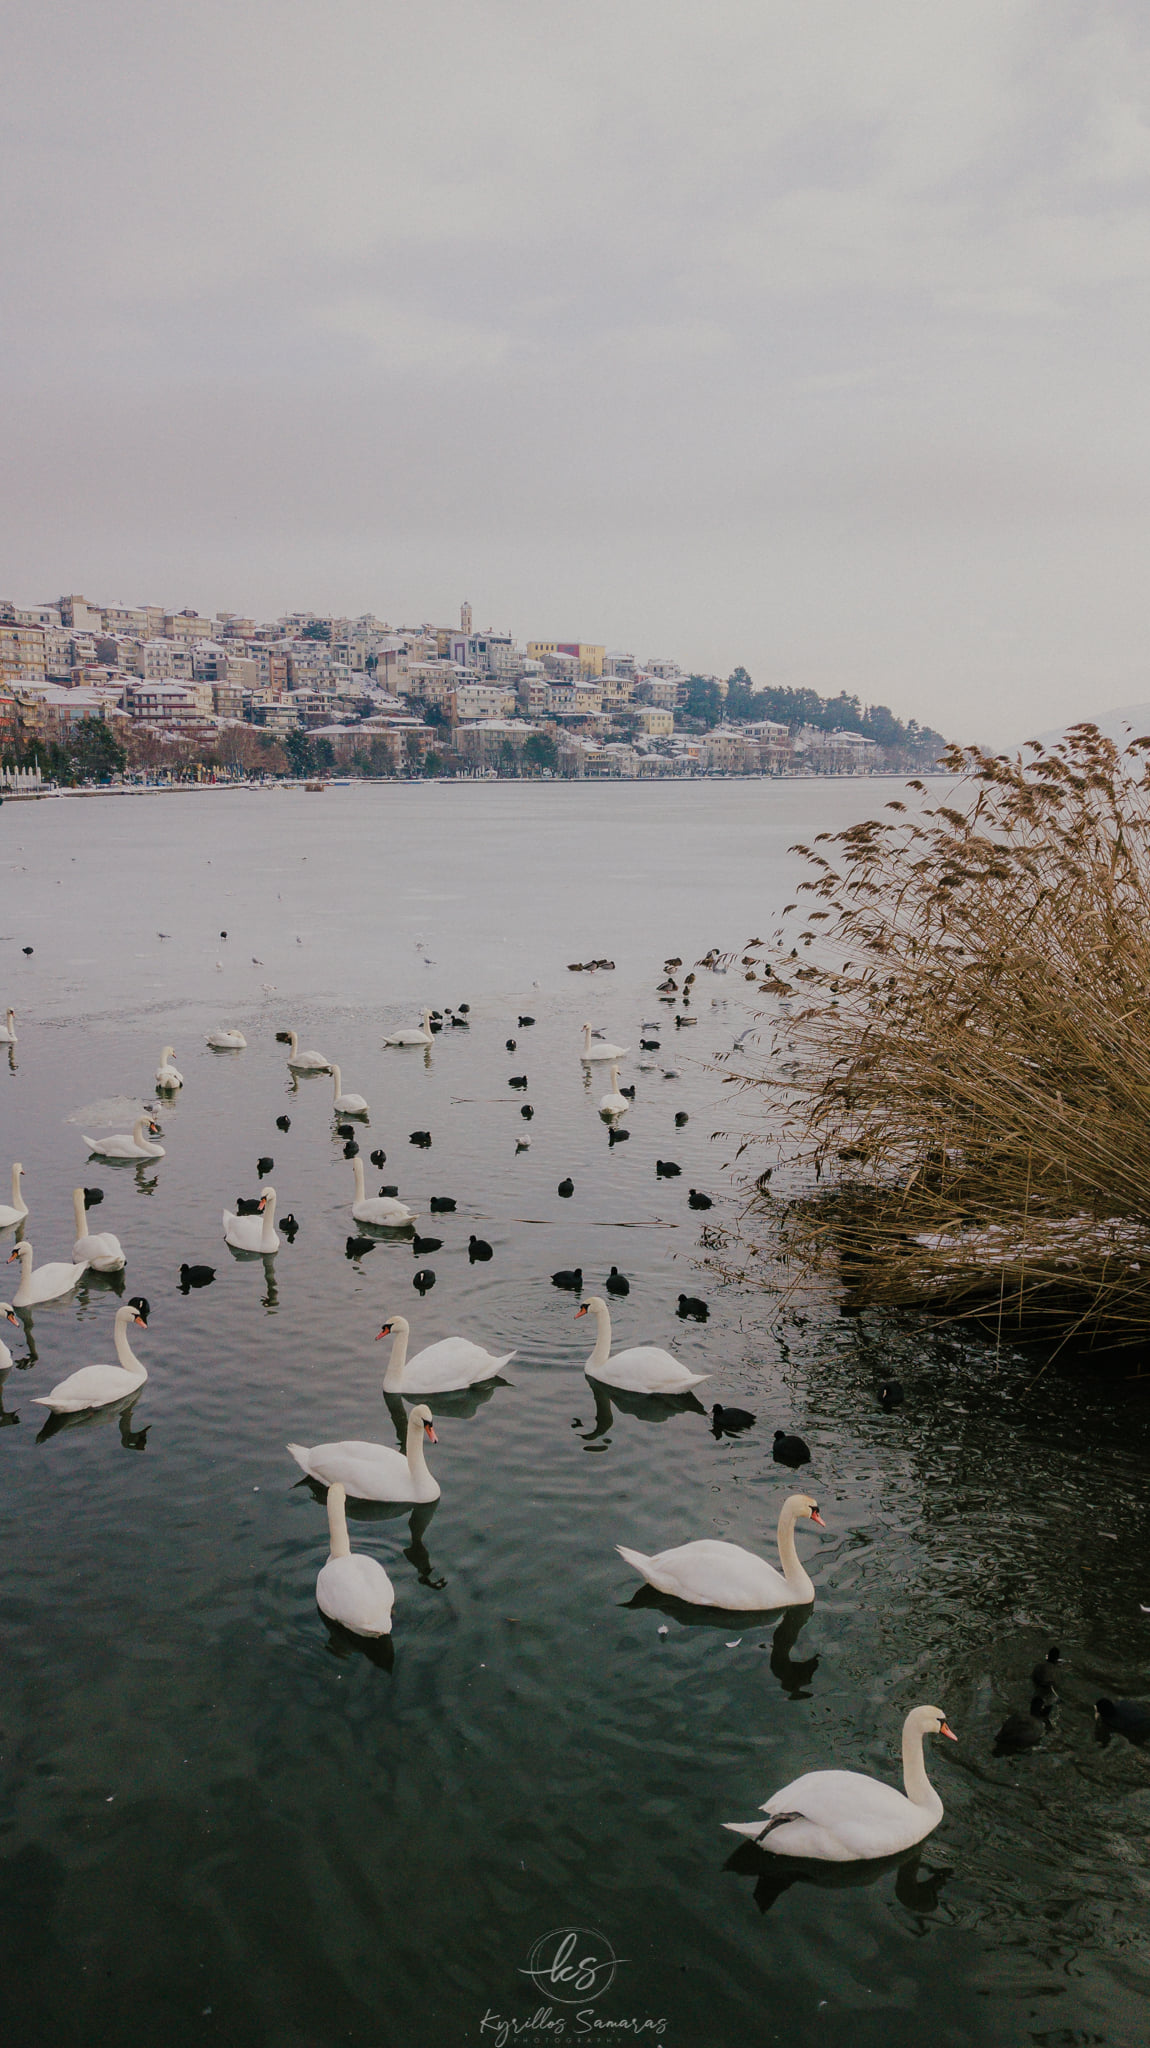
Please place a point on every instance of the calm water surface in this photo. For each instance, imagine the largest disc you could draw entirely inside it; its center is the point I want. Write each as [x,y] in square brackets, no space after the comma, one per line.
[221,1823]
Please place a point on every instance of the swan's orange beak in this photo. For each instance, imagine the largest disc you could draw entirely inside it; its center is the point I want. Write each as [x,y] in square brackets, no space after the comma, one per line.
[263,1203]
[946,1730]
[141,1320]
[580,1312]
[154,1129]
[11,1256]
[816,1517]
[14,1318]
[429,1432]
[385,1332]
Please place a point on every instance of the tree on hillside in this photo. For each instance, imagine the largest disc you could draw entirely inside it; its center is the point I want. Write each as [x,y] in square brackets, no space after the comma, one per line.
[540,751]
[298,749]
[317,629]
[704,701]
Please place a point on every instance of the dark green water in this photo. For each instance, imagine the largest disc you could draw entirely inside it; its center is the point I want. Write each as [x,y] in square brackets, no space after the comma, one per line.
[220,1824]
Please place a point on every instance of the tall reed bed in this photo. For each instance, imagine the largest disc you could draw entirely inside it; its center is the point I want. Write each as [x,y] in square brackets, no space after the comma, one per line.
[958,1079]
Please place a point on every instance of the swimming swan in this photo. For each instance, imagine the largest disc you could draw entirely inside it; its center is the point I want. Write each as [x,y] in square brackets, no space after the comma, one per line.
[352,1589]
[306,1062]
[123,1147]
[254,1233]
[99,1249]
[383,1210]
[373,1471]
[94,1386]
[167,1075]
[599,1051]
[227,1041]
[346,1105]
[643,1369]
[714,1574]
[19,1208]
[423,1037]
[8,1029]
[613,1103]
[846,1817]
[49,1283]
[443,1368]
[7,1310]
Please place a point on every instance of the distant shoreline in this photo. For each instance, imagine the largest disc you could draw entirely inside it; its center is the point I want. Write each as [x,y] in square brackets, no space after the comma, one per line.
[40,796]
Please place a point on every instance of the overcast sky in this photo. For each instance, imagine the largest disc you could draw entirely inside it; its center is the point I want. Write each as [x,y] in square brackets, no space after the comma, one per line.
[807,334]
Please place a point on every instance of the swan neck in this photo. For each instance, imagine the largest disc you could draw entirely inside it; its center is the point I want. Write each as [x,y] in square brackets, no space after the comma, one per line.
[793,1572]
[919,1789]
[124,1352]
[339,1542]
[17,1200]
[267,1234]
[78,1210]
[416,1462]
[393,1377]
[357,1167]
[602,1351]
[337,1082]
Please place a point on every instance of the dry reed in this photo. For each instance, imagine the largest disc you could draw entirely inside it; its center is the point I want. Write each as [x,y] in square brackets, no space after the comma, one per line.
[964,1120]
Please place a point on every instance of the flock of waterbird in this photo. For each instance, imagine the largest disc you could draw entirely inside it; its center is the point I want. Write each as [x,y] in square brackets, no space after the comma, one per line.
[829,1815]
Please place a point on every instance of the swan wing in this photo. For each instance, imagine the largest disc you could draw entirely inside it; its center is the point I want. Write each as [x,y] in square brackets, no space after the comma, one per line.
[57,1278]
[368,1471]
[245,1232]
[100,1249]
[712,1574]
[864,1815]
[119,1147]
[646,1369]
[453,1363]
[92,1387]
[356,1592]
[382,1210]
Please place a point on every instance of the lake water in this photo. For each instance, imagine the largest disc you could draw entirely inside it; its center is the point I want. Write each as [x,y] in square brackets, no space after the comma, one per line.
[220,1822]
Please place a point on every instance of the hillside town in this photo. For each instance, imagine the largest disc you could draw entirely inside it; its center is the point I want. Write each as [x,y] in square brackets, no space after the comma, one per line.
[93,691]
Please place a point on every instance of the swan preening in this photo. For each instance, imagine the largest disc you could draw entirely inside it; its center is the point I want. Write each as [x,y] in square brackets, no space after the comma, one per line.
[601,1051]
[382,1210]
[443,1368]
[413,1037]
[352,1589]
[373,1471]
[305,1062]
[121,1146]
[643,1369]
[49,1283]
[346,1105]
[168,1076]
[94,1386]
[230,1040]
[614,1103]
[8,1029]
[254,1233]
[19,1208]
[101,1248]
[714,1574]
[846,1817]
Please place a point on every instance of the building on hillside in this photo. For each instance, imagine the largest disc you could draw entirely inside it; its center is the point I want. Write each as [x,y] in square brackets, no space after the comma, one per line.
[833,753]
[482,745]
[656,722]
[22,654]
[587,659]
[186,626]
[731,753]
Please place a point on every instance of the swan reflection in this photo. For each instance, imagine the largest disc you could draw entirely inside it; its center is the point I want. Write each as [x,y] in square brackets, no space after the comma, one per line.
[344,1644]
[793,1675]
[89,1418]
[917,1885]
[646,1407]
[7,1419]
[419,1519]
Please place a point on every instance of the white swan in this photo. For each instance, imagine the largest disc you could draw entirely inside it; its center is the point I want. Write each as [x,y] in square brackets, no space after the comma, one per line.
[49,1283]
[643,1369]
[226,1041]
[373,1471]
[121,1146]
[597,1050]
[383,1210]
[352,1589]
[306,1062]
[8,1029]
[346,1105]
[7,1310]
[846,1817]
[19,1208]
[614,1103]
[94,1386]
[424,1037]
[714,1574]
[96,1248]
[443,1368]
[167,1075]
[254,1233]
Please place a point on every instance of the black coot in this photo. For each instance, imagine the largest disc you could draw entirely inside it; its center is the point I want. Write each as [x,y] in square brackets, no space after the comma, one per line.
[566,1188]
[479,1251]
[1024,1731]
[570,1277]
[691,1309]
[441,1205]
[423,1281]
[789,1450]
[196,1276]
[730,1418]
[424,1246]
[697,1201]
[616,1282]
